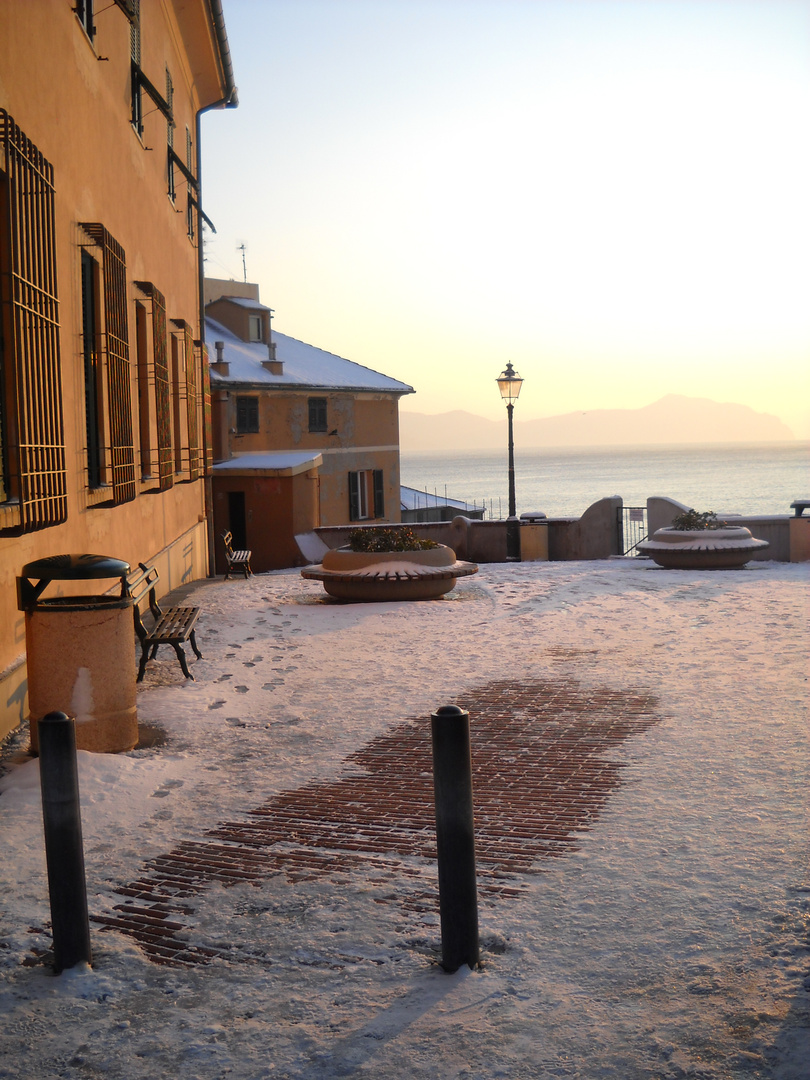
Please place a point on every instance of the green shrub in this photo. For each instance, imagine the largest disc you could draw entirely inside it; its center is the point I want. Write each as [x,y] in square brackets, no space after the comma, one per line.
[692,521]
[381,539]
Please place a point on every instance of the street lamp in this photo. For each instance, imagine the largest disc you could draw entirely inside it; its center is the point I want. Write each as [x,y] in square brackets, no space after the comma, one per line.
[509,384]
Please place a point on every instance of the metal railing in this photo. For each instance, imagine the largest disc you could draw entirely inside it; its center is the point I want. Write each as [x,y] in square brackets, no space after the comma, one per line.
[633,528]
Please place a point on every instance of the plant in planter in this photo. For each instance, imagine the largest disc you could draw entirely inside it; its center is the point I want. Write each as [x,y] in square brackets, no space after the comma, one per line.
[388,539]
[389,564]
[696,541]
[692,521]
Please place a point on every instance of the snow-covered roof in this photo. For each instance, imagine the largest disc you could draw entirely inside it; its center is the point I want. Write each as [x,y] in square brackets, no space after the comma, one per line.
[289,462]
[304,365]
[245,302]
[414,499]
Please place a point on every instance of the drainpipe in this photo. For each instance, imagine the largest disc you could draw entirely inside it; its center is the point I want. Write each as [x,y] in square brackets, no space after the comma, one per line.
[231,100]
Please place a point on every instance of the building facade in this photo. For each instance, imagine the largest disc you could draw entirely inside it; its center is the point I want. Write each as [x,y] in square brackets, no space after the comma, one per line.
[103,444]
[274,395]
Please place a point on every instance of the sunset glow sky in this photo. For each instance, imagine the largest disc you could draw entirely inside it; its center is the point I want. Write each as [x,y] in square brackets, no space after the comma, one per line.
[614,196]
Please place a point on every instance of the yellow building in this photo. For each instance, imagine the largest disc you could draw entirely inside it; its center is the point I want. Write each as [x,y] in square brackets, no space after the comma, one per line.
[323,429]
[102,381]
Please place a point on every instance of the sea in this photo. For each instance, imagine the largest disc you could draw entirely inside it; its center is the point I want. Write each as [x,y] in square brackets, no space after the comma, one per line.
[735,478]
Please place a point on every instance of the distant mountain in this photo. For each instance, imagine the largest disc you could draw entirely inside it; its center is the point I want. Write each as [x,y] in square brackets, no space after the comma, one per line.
[673,419]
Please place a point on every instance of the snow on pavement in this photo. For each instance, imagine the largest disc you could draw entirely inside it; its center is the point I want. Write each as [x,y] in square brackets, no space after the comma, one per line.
[671,942]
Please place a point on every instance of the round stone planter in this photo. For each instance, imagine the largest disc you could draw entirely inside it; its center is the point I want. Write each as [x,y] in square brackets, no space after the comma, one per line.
[705,549]
[369,576]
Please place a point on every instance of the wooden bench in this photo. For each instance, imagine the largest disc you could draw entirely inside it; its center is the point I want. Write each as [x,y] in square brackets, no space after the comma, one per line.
[236,560]
[171,627]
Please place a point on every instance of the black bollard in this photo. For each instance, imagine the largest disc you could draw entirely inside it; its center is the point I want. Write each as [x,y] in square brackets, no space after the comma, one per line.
[455,841]
[59,781]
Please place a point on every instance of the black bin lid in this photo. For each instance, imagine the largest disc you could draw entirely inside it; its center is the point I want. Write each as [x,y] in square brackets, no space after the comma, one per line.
[75,568]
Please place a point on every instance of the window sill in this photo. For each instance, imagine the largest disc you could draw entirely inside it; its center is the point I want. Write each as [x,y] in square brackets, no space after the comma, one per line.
[10,516]
[99,496]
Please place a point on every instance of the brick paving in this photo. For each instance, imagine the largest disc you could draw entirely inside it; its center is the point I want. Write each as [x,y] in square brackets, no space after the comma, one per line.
[541,776]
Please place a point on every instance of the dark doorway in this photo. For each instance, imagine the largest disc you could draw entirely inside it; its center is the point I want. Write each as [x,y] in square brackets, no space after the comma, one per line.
[236,518]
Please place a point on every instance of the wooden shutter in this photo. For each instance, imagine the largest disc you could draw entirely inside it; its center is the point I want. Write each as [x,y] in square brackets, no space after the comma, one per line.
[379,494]
[354,496]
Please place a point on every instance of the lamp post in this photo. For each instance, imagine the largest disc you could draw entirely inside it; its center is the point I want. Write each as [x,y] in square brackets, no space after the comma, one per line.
[509,384]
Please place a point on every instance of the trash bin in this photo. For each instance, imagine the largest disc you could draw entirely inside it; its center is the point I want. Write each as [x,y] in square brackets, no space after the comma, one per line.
[80,651]
[534,536]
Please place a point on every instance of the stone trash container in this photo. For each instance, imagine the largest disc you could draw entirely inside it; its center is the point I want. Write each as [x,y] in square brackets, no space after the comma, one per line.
[81,656]
[534,537]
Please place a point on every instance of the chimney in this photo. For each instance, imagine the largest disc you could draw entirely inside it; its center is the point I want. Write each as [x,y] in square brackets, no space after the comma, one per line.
[221,365]
[275,367]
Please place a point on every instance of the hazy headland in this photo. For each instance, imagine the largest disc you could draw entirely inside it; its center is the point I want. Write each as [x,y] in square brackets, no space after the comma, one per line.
[674,418]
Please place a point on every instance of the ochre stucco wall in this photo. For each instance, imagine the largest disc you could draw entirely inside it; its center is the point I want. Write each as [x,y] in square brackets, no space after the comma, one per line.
[276,509]
[76,108]
[366,436]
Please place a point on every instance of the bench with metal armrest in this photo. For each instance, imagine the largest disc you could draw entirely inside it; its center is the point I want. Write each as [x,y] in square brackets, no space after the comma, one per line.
[172,627]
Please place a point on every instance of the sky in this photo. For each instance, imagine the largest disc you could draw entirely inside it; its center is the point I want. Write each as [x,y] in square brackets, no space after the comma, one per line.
[610,194]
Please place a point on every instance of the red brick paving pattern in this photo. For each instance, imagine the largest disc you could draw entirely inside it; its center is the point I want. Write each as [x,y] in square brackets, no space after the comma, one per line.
[540,777]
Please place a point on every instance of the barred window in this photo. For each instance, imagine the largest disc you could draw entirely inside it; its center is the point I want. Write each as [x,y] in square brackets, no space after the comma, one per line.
[157,454]
[113,360]
[186,402]
[93,393]
[33,484]
[195,458]
[178,394]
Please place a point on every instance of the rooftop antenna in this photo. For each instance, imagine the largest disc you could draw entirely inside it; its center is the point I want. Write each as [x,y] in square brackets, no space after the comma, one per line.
[243,248]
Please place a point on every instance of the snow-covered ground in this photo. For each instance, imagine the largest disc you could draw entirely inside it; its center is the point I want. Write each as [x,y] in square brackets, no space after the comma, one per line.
[671,942]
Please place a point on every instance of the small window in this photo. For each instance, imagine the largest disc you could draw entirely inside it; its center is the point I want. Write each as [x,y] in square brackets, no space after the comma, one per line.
[255,328]
[172,186]
[135,56]
[84,13]
[247,415]
[317,414]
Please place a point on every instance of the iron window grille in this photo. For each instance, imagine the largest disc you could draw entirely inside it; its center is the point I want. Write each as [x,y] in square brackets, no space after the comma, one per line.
[32,454]
[160,380]
[93,391]
[113,348]
[208,426]
[187,386]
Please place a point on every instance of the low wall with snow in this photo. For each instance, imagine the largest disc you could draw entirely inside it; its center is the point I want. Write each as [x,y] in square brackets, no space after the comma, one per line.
[595,535]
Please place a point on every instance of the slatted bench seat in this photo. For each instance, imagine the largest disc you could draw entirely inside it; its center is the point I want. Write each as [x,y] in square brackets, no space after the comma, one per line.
[171,627]
[236,560]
